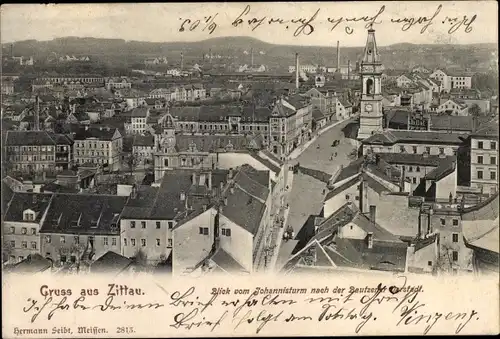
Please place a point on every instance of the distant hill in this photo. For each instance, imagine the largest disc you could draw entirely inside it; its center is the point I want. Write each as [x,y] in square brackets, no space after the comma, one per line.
[398,56]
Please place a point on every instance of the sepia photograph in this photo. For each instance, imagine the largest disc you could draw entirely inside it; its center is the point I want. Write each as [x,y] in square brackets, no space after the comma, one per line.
[220,169]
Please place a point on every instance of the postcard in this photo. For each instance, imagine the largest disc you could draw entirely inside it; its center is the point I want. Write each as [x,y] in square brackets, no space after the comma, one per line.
[249,169]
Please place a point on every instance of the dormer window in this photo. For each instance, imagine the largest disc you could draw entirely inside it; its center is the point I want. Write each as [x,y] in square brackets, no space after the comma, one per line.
[29,216]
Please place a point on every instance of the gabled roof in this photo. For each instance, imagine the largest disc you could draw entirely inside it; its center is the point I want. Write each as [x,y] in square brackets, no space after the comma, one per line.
[110,263]
[328,249]
[480,225]
[243,209]
[34,263]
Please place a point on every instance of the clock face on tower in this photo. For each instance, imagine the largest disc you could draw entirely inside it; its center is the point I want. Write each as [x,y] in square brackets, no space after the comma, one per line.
[368,107]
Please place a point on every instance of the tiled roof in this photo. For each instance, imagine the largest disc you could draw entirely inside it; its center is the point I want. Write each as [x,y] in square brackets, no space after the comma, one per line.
[487,130]
[37,202]
[101,133]
[110,262]
[84,214]
[391,137]
[480,225]
[28,138]
[250,186]
[143,140]
[244,210]
[212,143]
[34,263]
[452,123]
[226,262]
[140,112]
[387,253]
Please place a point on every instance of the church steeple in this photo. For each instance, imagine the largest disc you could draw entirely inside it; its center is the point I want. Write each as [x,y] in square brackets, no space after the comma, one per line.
[371,115]
[370,54]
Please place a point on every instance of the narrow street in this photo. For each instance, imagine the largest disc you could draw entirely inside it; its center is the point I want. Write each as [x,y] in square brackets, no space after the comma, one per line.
[307,195]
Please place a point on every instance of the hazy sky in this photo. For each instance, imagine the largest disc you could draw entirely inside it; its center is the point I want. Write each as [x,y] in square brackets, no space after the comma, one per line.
[161,22]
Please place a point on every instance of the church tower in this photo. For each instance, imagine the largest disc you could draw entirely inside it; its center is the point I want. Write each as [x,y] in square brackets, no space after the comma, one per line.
[371,116]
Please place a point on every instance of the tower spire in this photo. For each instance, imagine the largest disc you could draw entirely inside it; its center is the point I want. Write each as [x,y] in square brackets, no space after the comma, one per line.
[370,54]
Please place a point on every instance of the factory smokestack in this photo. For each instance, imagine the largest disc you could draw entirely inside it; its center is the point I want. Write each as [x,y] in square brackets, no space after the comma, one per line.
[182,61]
[338,56]
[37,114]
[297,70]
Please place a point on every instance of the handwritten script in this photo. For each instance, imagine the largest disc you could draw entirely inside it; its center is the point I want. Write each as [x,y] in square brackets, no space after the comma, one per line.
[252,310]
[307,24]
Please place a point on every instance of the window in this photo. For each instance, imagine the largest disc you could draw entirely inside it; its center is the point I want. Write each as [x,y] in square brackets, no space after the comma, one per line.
[24,230]
[62,239]
[24,244]
[13,244]
[410,168]
[132,224]
[158,225]
[143,242]
[33,245]
[170,225]
[356,198]
[113,241]
[414,180]
[493,145]
[124,241]
[143,224]
[105,241]
[455,222]
[48,239]
[226,232]
[493,160]
[455,255]
[441,150]
[402,149]
[33,231]
[480,144]
[479,174]
[12,230]
[347,197]
[455,237]
[480,159]
[429,263]
[493,175]
[443,221]
[415,149]
[63,258]
[428,150]
[132,242]
[76,239]
[204,230]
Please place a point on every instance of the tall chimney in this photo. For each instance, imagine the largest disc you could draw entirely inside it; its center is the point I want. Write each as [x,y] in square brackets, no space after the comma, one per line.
[373,213]
[297,71]
[338,56]
[182,61]
[37,114]
[369,239]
